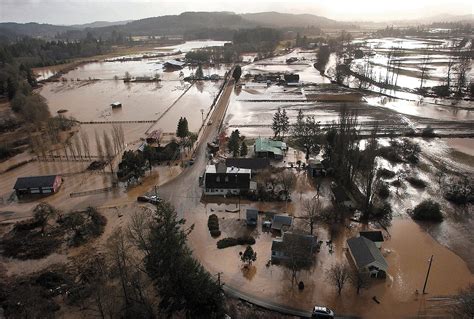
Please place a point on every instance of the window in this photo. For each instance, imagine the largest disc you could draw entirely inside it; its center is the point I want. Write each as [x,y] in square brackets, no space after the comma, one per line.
[227,179]
[218,179]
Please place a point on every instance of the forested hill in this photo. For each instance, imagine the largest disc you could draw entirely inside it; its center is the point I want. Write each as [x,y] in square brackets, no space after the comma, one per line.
[193,24]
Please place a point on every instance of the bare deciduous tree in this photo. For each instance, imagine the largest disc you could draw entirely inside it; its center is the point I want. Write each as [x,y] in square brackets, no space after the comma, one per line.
[312,210]
[359,280]
[338,275]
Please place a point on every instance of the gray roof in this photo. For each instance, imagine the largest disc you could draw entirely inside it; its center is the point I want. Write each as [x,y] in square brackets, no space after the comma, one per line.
[35,182]
[252,213]
[365,252]
[373,235]
[281,220]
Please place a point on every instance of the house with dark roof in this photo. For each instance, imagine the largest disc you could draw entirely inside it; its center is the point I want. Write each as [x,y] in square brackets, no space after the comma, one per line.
[281,222]
[374,235]
[255,164]
[37,185]
[293,245]
[222,180]
[251,217]
[173,65]
[367,257]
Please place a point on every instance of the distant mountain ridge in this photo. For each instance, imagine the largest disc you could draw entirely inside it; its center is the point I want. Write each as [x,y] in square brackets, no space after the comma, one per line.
[192,22]
[175,24]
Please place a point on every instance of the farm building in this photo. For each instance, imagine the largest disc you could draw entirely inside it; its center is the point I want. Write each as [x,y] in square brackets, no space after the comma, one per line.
[266,148]
[222,180]
[37,185]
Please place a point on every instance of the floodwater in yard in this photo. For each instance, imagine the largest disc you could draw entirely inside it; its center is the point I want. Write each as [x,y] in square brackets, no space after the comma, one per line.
[406,250]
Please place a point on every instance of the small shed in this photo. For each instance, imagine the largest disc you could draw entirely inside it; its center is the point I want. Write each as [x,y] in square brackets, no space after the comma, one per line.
[116,105]
[282,222]
[37,185]
[252,217]
[315,168]
[374,235]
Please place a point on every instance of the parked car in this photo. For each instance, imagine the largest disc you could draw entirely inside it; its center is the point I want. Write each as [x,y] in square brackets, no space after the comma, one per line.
[322,313]
[209,122]
[154,199]
[143,199]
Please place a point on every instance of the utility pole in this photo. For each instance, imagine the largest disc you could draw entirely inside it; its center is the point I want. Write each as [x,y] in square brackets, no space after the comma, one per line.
[202,115]
[427,274]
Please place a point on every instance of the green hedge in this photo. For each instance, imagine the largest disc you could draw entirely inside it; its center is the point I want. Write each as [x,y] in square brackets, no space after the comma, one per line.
[230,241]
[213,225]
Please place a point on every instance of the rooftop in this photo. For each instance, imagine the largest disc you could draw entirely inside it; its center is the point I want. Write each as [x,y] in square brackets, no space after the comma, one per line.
[365,252]
[266,145]
[249,163]
[373,235]
[35,182]
[211,169]
[280,221]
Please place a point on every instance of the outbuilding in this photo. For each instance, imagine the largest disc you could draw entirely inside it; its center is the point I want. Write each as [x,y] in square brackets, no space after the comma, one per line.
[37,185]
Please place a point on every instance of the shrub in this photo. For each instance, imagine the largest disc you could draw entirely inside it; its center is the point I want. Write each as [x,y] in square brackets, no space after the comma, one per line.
[416,182]
[428,132]
[385,173]
[396,183]
[215,232]
[460,191]
[227,242]
[213,225]
[230,241]
[428,210]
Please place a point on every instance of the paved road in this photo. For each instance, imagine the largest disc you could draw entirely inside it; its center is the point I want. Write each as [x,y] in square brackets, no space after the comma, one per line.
[186,185]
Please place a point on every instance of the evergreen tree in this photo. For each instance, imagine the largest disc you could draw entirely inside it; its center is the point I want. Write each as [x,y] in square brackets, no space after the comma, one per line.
[182,283]
[234,143]
[248,256]
[276,125]
[237,73]
[243,149]
[182,131]
[284,123]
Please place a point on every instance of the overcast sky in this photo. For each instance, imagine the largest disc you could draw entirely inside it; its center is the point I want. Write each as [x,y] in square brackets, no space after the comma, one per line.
[83,11]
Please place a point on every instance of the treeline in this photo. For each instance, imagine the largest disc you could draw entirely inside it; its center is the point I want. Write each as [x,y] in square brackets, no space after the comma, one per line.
[36,52]
[426,30]
[261,40]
